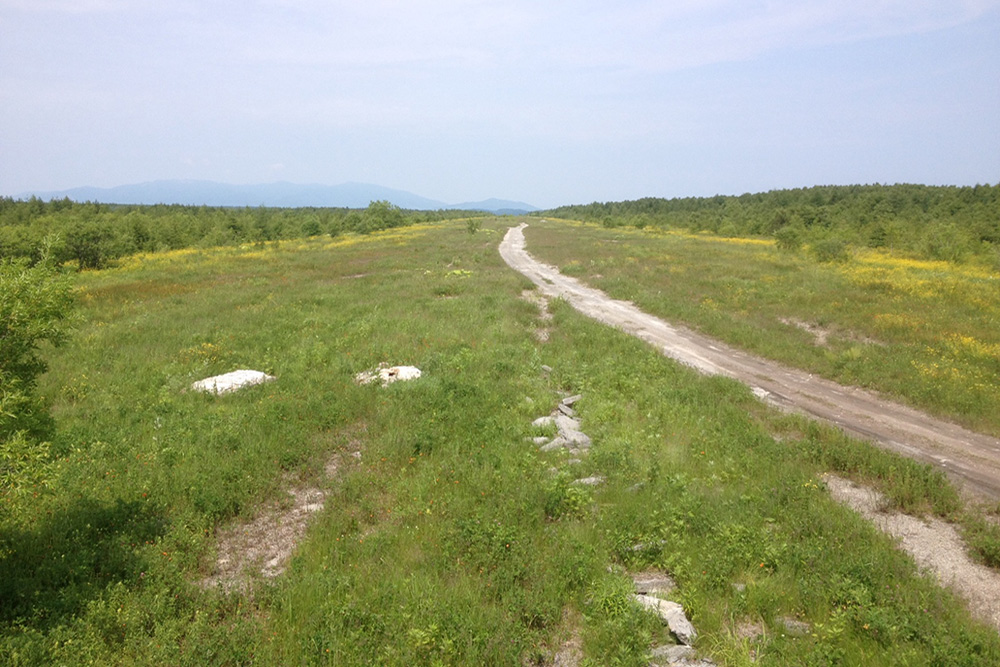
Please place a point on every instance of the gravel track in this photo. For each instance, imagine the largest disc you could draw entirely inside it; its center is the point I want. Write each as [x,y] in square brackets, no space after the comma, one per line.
[970,459]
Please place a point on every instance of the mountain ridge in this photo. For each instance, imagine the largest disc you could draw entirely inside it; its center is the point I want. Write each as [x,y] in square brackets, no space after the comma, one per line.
[192,192]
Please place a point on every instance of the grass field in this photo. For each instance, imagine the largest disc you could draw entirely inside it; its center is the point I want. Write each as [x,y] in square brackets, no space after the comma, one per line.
[452,540]
[927,332]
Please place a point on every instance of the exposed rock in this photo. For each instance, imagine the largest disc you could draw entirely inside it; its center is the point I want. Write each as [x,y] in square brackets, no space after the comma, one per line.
[557,443]
[793,627]
[570,436]
[570,400]
[229,382]
[642,546]
[547,369]
[566,410]
[387,374]
[569,429]
[588,481]
[653,582]
[672,615]
[677,656]
[544,422]
[540,440]
[564,423]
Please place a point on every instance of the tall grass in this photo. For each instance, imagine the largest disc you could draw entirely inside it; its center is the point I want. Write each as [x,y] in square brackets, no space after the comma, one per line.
[922,331]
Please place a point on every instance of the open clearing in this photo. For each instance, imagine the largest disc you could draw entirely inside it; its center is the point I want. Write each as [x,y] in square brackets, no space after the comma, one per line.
[968,457]
[453,529]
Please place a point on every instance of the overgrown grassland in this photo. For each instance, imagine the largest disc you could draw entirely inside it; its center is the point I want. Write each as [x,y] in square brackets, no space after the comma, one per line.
[453,540]
[927,332]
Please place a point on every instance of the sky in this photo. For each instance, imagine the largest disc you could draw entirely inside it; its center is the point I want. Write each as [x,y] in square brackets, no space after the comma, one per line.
[550,103]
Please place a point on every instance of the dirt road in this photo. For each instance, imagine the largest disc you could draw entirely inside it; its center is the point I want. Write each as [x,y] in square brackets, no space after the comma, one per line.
[971,459]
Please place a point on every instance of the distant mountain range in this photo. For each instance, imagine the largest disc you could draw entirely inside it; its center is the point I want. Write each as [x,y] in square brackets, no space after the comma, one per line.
[281,194]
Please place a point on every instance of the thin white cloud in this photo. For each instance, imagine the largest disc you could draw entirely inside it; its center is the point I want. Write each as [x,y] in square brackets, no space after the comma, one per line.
[643,35]
[65,6]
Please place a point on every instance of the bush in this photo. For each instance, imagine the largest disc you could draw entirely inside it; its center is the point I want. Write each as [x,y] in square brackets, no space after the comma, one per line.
[788,238]
[34,303]
[830,250]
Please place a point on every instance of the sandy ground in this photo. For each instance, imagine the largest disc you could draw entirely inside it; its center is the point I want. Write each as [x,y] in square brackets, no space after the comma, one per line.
[934,544]
[971,459]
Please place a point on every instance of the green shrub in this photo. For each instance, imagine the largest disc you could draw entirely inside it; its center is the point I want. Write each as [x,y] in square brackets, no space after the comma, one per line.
[789,238]
[34,303]
[830,250]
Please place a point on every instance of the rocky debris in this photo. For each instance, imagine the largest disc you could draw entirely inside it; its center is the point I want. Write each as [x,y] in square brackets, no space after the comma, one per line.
[387,374]
[642,546]
[566,410]
[569,652]
[653,583]
[230,382]
[544,422]
[569,435]
[569,430]
[672,615]
[794,627]
[677,656]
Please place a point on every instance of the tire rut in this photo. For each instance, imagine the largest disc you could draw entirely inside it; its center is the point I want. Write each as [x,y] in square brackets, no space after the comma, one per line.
[969,458]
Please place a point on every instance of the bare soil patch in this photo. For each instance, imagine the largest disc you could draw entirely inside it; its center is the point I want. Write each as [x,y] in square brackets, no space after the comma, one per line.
[971,459]
[934,544]
[531,296]
[263,546]
[821,335]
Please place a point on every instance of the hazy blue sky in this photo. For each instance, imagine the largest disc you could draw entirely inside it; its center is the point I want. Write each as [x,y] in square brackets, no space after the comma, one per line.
[545,101]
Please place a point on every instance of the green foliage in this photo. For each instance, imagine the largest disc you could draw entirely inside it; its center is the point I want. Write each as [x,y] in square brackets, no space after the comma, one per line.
[94,235]
[381,215]
[951,223]
[449,538]
[830,250]
[788,238]
[563,499]
[983,537]
[34,303]
[618,631]
[922,331]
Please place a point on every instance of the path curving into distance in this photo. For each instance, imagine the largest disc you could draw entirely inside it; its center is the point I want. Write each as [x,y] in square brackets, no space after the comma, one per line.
[971,459]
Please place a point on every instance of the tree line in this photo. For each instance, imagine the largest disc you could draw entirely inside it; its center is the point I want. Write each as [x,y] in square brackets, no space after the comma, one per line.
[93,234]
[37,240]
[935,222]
